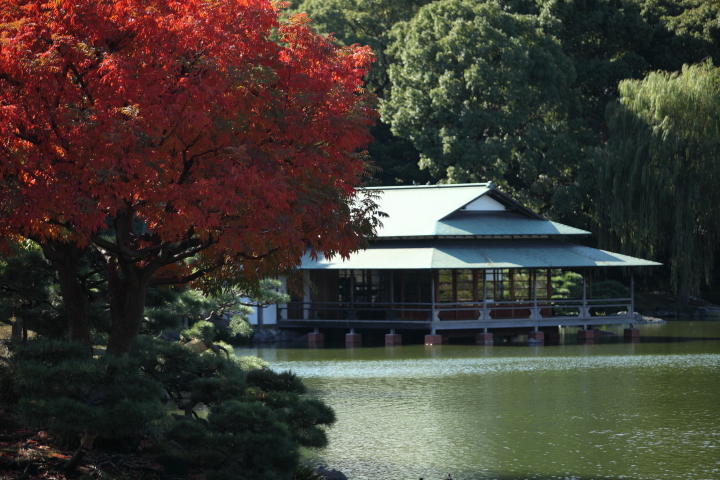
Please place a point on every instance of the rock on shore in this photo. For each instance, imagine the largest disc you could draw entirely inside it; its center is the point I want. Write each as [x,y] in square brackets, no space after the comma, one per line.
[330,474]
[271,335]
[642,319]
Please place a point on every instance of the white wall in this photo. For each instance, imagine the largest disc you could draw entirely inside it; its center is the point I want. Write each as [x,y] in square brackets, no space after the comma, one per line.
[484,204]
[269,315]
[269,312]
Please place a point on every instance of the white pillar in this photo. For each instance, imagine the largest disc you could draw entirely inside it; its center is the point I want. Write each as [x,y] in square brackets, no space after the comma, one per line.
[632,293]
[306,295]
[584,310]
[484,313]
[392,290]
[535,314]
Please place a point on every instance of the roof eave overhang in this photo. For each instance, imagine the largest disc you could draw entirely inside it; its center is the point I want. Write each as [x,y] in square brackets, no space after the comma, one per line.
[474,237]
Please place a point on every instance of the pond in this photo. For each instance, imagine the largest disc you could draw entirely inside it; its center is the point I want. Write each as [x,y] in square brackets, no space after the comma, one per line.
[614,410]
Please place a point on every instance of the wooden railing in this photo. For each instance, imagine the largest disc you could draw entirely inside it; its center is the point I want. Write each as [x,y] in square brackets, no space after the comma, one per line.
[428,312]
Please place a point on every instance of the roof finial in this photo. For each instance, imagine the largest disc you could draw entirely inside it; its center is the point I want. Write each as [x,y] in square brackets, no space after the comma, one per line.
[490,184]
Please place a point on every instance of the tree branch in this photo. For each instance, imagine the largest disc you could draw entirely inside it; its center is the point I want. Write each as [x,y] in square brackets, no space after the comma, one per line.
[185,279]
[188,249]
[105,244]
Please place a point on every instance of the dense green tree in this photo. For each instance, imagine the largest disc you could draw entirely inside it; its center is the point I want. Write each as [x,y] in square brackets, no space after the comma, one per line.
[684,32]
[30,295]
[607,41]
[27,300]
[486,95]
[256,419]
[612,40]
[604,39]
[63,390]
[658,176]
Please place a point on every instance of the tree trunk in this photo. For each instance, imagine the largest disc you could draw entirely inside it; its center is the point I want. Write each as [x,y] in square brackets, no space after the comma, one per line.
[16,330]
[127,307]
[86,444]
[65,258]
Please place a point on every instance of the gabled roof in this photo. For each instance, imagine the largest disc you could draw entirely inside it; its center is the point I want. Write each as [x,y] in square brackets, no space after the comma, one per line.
[483,254]
[468,210]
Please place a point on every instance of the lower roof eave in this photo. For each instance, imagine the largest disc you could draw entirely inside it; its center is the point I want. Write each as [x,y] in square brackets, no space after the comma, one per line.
[475,254]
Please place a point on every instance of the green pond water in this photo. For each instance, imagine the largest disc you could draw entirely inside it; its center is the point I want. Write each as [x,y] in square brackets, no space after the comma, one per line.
[616,410]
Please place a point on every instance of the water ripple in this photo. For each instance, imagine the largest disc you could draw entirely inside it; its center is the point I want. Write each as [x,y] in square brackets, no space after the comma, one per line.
[433,367]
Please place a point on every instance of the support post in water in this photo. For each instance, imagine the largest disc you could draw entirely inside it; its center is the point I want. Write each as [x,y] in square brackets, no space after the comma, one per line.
[353,339]
[392,338]
[316,338]
[586,335]
[484,338]
[632,334]
[536,334]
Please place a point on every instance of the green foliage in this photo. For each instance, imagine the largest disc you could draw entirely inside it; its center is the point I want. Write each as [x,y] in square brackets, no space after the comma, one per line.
[248,363]
[257,418]
[684,32]
[484,94]
[281,391]
[166,307]
[605,40]
[240,329]
[246,439]
[203,330]
[609,289]
[546,158]
[567,285]
[267,380]
[367,22]
[63,389]
[28,296]
[304,472]
[658,173]
[307,473]
[207,378]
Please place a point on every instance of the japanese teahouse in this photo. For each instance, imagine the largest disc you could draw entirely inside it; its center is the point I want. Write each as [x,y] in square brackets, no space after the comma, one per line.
[456,260]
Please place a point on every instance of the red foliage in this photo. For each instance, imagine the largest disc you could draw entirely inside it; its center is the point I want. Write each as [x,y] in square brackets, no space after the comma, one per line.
[185,124]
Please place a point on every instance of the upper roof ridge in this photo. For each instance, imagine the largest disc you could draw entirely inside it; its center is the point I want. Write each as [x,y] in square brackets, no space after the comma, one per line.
[436,185]
[427,211]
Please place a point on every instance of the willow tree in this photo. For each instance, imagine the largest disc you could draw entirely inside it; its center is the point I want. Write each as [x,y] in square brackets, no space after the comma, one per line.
[659,174]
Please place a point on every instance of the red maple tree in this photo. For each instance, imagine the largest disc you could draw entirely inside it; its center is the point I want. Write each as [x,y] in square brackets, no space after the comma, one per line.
[185,140]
